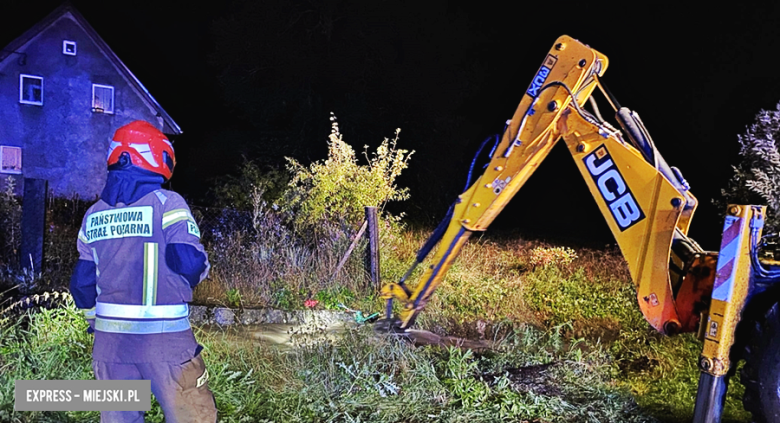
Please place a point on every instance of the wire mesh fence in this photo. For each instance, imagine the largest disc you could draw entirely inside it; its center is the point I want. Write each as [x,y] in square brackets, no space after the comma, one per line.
[254,253]
[20,278]
[257,254]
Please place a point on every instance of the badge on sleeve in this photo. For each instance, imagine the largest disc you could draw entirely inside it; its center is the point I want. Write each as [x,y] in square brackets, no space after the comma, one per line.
[192,228]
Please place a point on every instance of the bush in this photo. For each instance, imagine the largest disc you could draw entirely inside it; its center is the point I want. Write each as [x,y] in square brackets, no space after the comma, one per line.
[10,219]
[281,255]
[330,196]
[236,191]
[756,178]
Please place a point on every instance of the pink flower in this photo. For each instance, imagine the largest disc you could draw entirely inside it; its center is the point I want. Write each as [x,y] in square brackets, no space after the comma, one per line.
[310,303]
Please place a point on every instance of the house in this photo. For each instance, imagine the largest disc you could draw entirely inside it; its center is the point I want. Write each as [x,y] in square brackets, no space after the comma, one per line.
[63,93]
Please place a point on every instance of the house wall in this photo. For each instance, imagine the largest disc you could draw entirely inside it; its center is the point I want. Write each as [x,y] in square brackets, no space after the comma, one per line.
[64,141]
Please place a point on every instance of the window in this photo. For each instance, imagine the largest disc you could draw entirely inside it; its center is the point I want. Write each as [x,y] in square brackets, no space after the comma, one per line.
[69,47]
[102,98]
[31,89]
[10,159]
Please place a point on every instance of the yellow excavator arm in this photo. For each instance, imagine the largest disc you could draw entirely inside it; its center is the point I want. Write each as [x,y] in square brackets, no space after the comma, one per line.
[646,203]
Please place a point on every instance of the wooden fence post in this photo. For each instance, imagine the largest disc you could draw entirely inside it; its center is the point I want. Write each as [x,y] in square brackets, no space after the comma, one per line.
[373,246]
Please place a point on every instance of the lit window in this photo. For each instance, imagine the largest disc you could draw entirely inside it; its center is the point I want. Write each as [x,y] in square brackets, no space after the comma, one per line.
[10,159]
[31,89]
[69,47]
[102,98]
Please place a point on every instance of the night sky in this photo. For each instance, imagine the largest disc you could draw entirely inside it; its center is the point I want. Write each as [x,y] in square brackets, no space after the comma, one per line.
[258,80]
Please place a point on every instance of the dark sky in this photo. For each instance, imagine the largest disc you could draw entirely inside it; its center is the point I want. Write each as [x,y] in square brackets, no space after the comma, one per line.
[258,79]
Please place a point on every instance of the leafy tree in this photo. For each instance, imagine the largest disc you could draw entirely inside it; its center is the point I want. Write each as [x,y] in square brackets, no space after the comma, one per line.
[756,178]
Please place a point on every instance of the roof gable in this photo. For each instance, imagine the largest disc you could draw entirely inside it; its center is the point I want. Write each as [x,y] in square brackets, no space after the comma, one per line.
[68,11]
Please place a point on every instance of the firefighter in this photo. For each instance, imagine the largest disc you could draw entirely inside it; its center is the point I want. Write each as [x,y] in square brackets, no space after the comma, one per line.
[140,257]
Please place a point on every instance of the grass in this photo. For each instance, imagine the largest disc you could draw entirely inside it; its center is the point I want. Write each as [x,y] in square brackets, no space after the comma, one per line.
[362,377]
[572,347]
[593,301]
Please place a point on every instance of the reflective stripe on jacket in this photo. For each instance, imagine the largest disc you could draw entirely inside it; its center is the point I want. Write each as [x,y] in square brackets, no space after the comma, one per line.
[146,319]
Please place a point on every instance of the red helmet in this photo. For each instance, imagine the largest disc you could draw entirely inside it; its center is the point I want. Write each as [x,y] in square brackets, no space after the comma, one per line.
[147,147]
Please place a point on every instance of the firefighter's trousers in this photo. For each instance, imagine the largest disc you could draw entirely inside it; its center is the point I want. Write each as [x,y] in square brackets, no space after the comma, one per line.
[181,389]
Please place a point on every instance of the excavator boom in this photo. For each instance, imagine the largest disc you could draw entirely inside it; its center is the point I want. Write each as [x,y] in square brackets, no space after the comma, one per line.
[646,204]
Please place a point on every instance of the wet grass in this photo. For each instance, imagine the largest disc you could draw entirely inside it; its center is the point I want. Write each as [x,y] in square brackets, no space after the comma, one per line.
[593,300]
[571,346]
[361,376]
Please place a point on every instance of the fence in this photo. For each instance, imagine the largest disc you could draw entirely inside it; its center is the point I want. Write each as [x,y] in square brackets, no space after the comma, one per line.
[23,274]
[254,253]
[259,256]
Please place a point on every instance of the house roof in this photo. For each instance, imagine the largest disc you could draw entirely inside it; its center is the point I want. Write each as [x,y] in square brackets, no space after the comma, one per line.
[67,10]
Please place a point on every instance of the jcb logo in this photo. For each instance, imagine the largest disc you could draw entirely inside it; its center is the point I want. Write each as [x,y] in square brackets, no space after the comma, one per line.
[613,188]
[541,76]
[538,81]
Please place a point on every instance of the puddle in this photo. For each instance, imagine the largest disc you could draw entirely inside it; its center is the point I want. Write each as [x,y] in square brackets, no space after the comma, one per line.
[290,329]
[282,335]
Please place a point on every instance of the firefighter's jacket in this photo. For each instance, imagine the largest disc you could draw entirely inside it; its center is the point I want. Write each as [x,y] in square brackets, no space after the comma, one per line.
[140,306]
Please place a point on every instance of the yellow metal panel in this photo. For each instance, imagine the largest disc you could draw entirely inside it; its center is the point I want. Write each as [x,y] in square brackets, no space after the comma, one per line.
[569,69]
[732,283]
[517,156]
[642,208]
[636,200]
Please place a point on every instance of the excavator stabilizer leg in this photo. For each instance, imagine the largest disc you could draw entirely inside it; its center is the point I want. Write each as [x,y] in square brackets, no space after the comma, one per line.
[741,229]
[709,398]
